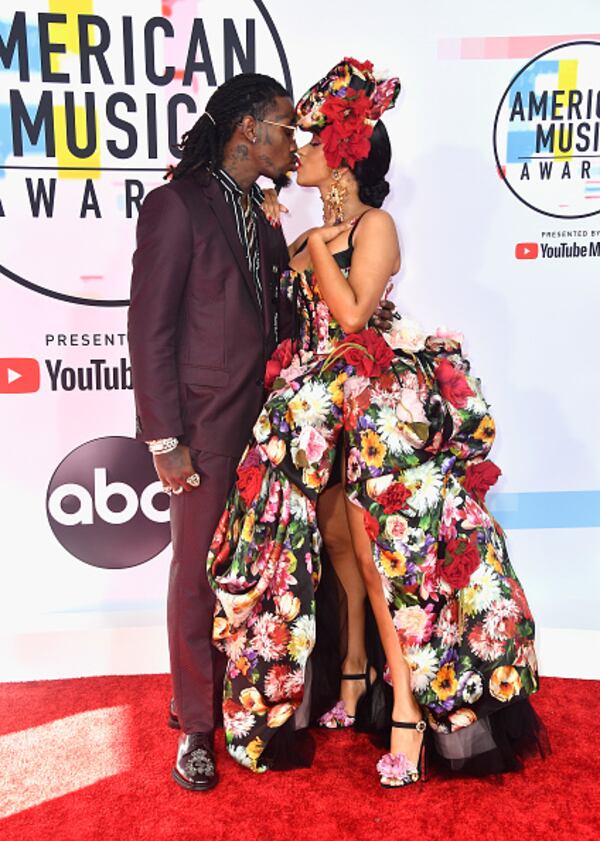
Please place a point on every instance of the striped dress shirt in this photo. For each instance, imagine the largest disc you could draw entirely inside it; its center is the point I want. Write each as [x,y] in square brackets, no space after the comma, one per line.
[245,221]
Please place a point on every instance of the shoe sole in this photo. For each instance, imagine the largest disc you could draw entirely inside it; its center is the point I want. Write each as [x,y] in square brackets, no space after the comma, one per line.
[193,786]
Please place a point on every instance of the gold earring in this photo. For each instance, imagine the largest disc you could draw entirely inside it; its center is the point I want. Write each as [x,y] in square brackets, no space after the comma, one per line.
[334,199]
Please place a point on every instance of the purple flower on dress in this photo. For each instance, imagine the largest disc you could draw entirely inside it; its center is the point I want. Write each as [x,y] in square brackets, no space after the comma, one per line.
[448,464]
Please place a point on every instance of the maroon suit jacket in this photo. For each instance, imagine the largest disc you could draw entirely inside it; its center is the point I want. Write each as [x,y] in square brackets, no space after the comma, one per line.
[198,339]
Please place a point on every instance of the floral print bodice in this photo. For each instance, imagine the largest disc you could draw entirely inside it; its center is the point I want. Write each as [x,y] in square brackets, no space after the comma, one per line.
[319,331]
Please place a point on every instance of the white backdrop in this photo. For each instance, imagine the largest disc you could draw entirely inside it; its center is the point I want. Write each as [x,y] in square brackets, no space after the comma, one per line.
[472,260]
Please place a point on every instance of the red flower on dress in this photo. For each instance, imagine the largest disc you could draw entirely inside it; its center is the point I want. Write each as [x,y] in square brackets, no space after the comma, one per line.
[250,475]
[371,525]
[281,358]
[394,498]
[346,137]
[480,477]
[461,561]
[453,384]
[376,356]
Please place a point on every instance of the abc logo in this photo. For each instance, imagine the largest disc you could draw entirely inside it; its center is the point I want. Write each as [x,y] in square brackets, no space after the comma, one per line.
[106,506]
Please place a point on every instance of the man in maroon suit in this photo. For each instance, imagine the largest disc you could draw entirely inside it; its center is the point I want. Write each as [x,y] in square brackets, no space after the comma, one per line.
[204,318]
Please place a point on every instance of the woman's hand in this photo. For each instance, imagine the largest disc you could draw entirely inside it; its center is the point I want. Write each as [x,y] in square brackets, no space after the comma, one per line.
[272,207]
[328,232]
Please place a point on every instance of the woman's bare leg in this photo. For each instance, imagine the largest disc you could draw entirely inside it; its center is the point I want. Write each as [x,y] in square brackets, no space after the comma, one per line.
[405,707]
[333,525]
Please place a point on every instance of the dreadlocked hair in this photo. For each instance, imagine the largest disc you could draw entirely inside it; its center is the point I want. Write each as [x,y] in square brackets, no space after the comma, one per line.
[204,144]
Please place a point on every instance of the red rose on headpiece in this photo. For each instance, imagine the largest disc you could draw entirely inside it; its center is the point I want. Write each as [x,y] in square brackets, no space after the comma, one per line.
[376,356]
[281,358]
[453,384]
[480,477]
[361,66]
[346,136]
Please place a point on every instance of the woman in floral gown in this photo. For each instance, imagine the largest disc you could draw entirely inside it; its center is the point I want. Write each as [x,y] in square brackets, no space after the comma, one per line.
[415,432]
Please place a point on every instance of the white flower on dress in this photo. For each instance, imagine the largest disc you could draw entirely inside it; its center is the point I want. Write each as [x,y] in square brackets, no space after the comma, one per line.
[235,644]
[423,663]
[294,684]
[484,646]
[390,432]
[239,723]
[483,590]
[311,404]
[303,639]
[447,627]
[477,404]
[406,335]
[425,482]
[270,637]
[262,427]
[501,619]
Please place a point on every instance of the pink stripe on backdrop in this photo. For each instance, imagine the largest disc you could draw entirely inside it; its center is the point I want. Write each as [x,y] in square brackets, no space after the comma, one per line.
[518,46]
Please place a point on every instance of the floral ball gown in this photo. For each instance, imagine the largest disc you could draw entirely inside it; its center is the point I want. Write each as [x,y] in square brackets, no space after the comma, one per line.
[416,432]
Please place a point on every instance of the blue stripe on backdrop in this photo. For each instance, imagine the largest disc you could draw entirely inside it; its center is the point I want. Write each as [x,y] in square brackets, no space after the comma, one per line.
[546,510]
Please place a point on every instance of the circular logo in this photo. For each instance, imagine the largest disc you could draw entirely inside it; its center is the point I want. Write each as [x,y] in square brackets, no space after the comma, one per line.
[90,117]
[106,506]
[547,132]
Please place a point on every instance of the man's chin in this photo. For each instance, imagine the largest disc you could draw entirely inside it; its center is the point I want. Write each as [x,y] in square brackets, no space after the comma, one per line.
[281,181]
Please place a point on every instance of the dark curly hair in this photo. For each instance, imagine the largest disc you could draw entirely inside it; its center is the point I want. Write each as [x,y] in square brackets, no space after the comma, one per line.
[371,171]
[203,145]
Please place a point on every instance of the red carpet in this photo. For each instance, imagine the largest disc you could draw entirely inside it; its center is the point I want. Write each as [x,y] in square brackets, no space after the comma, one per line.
[98,767]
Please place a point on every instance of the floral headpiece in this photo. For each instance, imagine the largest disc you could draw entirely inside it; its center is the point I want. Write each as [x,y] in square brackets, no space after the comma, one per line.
[344,107]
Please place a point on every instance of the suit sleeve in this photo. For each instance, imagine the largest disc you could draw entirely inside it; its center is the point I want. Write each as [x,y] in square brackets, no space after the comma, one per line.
[161,264]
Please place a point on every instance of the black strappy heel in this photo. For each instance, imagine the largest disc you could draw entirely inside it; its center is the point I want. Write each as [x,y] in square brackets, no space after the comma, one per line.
[395,769]
[337,718]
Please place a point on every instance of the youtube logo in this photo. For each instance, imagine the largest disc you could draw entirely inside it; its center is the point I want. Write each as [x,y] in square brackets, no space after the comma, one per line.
[19,376]
[526,250]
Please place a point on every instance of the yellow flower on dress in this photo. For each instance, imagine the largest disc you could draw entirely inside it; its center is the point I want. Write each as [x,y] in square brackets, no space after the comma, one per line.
[492,559]
[242,664]
[445,683]
[505,683]
[486,431]
[373,449]
[461,718]
[248,530]
[253,701]
[255,748]
[220,628]
[279,714]
[276,450]
[336,389]
[262,427]
[393,563]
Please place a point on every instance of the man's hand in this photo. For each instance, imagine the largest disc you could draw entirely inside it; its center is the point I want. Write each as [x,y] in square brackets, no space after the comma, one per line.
[174,469]
[384,315]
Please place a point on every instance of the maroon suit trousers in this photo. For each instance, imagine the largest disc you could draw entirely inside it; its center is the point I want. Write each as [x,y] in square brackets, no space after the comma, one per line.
[196,666]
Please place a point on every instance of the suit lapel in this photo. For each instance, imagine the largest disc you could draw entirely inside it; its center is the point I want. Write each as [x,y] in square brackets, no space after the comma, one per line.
[224,216]
[268,271]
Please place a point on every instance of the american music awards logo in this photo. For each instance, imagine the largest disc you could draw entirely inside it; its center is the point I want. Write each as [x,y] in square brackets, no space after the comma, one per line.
[93,100]
[547,132]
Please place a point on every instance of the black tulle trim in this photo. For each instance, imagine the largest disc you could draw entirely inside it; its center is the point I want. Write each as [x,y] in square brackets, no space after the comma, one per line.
[518,733]
[289,749]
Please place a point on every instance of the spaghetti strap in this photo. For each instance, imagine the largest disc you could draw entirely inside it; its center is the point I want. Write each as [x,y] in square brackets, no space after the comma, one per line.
[354,227]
